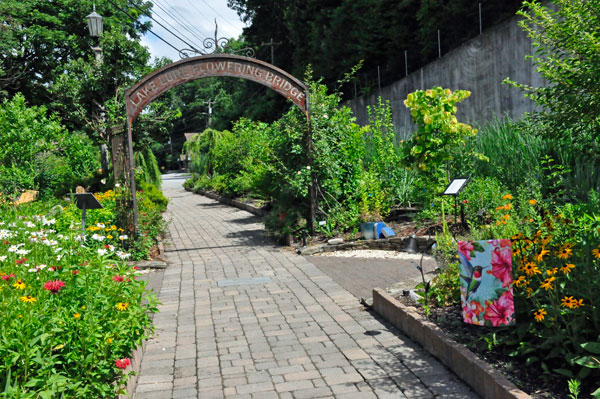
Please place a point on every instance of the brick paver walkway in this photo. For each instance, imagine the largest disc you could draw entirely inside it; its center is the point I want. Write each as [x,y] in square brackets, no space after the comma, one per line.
[301,335]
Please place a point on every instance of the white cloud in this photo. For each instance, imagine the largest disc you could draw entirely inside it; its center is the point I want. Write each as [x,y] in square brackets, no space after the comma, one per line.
[192,20]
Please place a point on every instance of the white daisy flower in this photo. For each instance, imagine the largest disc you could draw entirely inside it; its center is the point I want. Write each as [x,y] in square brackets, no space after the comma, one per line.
[13,248]
[102,251]
[98,237]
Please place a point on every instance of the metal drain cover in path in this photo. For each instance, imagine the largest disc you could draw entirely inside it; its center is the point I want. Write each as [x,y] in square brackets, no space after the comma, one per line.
[243,281]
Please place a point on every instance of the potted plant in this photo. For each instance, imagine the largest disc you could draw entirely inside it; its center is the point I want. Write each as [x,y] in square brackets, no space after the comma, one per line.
[371,209]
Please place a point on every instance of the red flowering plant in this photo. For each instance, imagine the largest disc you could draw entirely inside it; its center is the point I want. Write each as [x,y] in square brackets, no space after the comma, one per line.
[63,290]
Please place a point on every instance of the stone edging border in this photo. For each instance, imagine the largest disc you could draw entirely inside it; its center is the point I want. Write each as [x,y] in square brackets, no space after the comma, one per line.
[228,201]
[395,243]
[138,352]
[479,375]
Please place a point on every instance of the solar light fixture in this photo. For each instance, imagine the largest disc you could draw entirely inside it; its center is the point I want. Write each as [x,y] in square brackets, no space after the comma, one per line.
[86,201]
[453,189]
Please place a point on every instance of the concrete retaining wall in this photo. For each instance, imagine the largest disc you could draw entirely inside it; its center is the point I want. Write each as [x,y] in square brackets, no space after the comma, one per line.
[480,65]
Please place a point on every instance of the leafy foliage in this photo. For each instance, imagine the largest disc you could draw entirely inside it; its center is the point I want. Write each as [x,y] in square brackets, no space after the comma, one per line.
[70,310]
[566,38]
[36,152]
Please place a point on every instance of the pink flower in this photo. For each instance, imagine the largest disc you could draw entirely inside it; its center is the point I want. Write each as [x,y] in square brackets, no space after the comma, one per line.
[502,266]
[122,363]
[465,248]
[7,277]
[54,286]
[500,311]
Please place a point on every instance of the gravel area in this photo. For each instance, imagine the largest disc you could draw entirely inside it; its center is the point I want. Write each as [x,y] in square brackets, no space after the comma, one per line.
[375,253]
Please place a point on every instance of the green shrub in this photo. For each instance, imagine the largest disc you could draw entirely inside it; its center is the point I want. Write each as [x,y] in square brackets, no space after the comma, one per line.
[154,194]
[36,152]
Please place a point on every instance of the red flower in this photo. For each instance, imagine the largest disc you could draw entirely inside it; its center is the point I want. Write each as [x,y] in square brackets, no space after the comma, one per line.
[502,266]
[54,286]
[122,363]
[8,277]
[135,268]
[500,312]
[6,242]
[21,261]
[118,279]
[75,272]
[465,248]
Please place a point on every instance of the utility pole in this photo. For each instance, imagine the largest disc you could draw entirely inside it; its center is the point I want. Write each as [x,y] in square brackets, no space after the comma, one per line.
[210,103]
[271,44]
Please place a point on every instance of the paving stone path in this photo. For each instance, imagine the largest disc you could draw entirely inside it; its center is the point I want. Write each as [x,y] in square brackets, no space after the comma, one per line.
[242,319]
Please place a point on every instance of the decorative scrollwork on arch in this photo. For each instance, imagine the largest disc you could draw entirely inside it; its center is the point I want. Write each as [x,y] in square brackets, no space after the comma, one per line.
[216,45]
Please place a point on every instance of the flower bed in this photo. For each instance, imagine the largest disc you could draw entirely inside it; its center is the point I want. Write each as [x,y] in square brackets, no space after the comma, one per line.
[73,310]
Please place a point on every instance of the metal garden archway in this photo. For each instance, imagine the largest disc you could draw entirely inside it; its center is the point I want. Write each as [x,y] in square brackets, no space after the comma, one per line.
[213,65]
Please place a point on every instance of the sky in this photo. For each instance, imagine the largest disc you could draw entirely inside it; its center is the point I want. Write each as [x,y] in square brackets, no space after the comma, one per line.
[192,21]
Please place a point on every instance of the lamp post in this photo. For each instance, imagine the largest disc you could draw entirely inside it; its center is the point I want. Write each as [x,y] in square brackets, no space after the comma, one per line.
[95,25]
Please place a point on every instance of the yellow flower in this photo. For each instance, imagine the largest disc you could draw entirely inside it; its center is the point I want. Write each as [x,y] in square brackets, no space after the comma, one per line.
[547,284]
[552,271]
[506,217]
[580,303]
[539,315]
[529,292]
[28,298]
[569,302]
[531,269]
[566,269]
[109,237]
[122,306]
[76,315]
[82,307]
[565,252]
[109,340]
[596,252]
[543,252]
[532,202]
[507,197]
[521,281]
[19,284]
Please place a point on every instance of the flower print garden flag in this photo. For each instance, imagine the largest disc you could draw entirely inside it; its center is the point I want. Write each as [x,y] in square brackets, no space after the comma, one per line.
[486,282]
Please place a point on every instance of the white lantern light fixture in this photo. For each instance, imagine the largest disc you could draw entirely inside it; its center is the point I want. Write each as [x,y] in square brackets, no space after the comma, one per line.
[95,23]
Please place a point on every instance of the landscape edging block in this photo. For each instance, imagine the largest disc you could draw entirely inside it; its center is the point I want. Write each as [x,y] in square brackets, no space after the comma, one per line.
[479,375]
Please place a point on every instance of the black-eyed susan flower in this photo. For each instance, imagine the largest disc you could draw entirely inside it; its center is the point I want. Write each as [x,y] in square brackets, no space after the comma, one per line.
[547,284]
[121,306]
[531,269]
[76,315]
[569,302]
[566,269]
[539,315]
[507,197]
[19,284]
[28,298]
[565,251]
[596,252]
[551,272]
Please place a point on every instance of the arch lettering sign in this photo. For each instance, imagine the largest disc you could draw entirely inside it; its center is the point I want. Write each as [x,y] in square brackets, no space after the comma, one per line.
[205,66]
[155,84]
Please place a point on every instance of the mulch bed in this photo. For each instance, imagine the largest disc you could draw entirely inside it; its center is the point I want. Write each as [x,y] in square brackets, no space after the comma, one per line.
[529,379]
